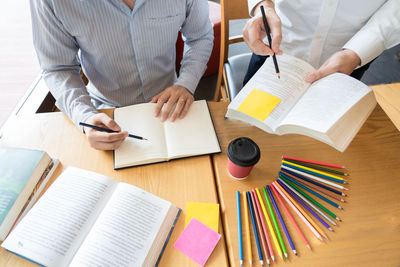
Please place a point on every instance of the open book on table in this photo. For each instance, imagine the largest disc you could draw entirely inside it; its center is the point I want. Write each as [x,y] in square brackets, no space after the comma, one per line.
[85,218]
[331,110]
[191,136]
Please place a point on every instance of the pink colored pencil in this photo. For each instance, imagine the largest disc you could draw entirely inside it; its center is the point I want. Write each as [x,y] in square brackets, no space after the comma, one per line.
[291,217]
[316,162]
[271,252]
[315,232]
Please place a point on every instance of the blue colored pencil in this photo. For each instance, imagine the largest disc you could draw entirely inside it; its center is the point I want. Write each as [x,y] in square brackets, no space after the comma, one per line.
[311,191]
[289,190]
[253,220]
[315,173]
[314,182]
[239,228]
[281,219]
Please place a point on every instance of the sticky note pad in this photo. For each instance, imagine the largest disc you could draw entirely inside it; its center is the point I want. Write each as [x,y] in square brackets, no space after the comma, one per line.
[259,104]
[197,241]
[207,213]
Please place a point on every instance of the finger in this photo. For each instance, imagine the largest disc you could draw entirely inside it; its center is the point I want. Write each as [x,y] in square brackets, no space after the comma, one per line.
[160,103]
[276,31]
[168,107]
[256,44]
[178,108]
[155,98]
[107,145]
[320,73]
[97,136]
[186,108]
[108,122]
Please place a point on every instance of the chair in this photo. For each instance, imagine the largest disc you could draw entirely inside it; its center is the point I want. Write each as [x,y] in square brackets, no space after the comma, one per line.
[231,71]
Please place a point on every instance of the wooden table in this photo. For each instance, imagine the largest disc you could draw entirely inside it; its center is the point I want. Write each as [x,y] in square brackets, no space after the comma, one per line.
[370,232]
[178,181]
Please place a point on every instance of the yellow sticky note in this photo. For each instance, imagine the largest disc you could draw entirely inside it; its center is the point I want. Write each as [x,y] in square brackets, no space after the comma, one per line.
[259,104]
[207,213]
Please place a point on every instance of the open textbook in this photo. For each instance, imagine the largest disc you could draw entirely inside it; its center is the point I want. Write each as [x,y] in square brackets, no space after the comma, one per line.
[87,219]
[331,109]
[191,136]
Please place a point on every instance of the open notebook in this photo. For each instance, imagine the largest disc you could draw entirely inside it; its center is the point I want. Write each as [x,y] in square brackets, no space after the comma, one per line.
[331,109]
[191,136]
[85,218]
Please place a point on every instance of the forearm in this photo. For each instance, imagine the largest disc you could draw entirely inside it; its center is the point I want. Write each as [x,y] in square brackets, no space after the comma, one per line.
[254,6]
[380,33]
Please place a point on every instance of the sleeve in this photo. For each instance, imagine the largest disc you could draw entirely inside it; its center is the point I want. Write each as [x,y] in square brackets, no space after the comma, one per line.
[381,32]
[57,52]
[252,4]
[198,38]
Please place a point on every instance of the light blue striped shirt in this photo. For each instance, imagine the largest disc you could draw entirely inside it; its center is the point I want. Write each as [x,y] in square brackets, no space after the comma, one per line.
[127,55]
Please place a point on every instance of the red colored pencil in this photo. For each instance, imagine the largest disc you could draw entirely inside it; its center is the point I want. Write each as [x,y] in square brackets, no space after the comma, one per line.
[316,162]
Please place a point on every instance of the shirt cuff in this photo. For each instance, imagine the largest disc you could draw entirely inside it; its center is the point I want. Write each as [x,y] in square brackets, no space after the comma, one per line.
[188,81]
[366,45]
[252,4]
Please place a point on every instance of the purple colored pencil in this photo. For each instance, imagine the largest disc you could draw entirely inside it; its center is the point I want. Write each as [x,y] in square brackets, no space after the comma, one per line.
[283,184]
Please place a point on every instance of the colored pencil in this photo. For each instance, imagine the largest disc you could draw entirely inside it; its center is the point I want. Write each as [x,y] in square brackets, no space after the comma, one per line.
[109,130]
[313,206]
[259,227]
[313,192]
[270,41]
[317,167]
[239,228]
[315,162]
[314,182]
[289,190]
[254,228]
[309,225]
[264,228]
[278,232]
[314,172]
[290,216]
[281,220]
[247,226]
[319,189]
[298,206]
[314,177]
[317,203]
[341,181]
[271,229]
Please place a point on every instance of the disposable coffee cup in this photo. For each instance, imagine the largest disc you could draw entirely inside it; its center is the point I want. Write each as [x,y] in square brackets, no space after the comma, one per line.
[243,154]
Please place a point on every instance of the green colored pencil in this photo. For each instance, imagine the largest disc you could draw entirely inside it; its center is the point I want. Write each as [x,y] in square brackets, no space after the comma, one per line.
[317,167]
[275,223]
[310,198]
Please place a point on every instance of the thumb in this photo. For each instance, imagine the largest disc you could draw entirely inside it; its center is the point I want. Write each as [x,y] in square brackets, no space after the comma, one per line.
[318,74]
[110,123]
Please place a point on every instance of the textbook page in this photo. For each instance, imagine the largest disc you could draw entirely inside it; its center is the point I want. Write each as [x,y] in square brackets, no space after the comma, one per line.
[139,120]
[192,135]
[55,227]
[289,88]
[325,102]
[125,229]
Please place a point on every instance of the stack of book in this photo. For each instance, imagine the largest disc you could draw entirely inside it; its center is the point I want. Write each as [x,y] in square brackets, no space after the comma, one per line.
[304,188]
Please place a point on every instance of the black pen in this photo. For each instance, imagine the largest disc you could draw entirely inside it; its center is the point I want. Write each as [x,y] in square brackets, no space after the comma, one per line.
[270,41]
[109,130]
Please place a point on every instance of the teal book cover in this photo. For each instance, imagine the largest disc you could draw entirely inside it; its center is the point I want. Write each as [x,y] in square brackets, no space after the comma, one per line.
[16,167]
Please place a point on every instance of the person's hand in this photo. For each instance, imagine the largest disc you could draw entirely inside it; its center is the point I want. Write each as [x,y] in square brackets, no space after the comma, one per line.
[103,140]
[254,31]
[175,94]
[344,61]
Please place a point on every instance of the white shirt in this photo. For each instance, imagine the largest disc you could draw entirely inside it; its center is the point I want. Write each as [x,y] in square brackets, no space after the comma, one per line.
[313,30]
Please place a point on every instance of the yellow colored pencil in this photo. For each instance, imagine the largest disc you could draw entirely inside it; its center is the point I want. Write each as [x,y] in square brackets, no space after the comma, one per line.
[304,213]
[278,248]
[313,170]
[247,226]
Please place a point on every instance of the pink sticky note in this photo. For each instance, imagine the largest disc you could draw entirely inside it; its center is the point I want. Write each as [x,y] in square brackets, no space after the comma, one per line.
[197,241]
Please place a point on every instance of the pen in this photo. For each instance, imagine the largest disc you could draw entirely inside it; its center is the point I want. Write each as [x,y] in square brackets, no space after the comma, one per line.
[109,130]
[270,41]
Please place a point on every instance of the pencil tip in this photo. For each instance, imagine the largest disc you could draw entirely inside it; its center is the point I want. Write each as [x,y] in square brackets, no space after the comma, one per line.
[342,200]
[308,246]
[281,256]
[340,208]
[330,229]
[286,256]
[273,258]
[251,263]
[345,188]
[337,218]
